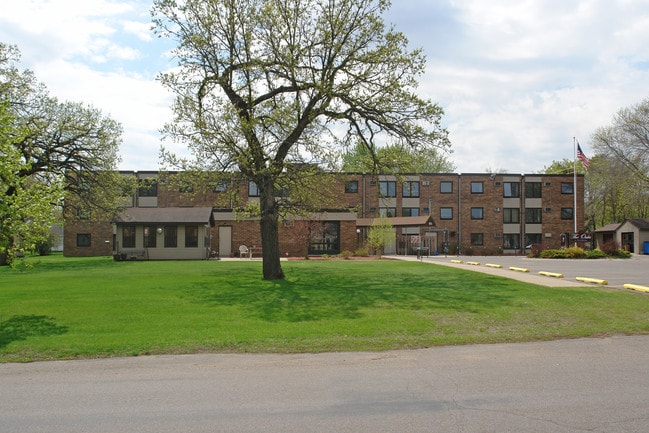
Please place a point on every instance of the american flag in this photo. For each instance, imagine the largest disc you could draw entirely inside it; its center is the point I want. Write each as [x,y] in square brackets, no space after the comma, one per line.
[582,157]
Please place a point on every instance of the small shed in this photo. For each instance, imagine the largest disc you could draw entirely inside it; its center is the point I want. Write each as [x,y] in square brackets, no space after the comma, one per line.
[175,233]
[631,235]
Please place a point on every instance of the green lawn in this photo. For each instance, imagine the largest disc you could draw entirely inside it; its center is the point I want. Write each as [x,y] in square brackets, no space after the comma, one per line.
[93,307]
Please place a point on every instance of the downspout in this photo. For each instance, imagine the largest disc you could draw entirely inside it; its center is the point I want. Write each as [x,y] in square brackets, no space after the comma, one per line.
[523,216]
[459,213]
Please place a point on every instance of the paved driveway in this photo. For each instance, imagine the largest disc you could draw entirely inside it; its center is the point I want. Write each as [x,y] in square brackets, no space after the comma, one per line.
[617,272]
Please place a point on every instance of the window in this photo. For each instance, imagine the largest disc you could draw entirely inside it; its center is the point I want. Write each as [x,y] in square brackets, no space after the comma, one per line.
[477,238]
[532,189]
[511,241]
[477,187]
[171,236]
[221,186]
[532,239]
[567,213]
[567,188]
[388,188]
[446,213]
[389,212]
[446,187]
[253,191]
[511,215]
[325,239]
[511,189]
[477,213]
[410,211]
[191,236]
[533,215]
[128,236]
[351,186]
[150,237]
[148,188]
[410,189]
[83,239]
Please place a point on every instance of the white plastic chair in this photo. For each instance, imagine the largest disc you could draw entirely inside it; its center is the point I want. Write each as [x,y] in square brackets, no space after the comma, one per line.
[243,251]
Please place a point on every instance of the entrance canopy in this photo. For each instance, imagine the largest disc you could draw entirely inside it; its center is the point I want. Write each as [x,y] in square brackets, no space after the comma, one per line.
[417,221]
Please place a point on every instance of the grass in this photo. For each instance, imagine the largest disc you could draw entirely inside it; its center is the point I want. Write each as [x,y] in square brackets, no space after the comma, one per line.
[65,308]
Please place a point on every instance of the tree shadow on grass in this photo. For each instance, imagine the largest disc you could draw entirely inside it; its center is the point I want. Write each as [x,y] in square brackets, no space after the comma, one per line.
[320,296]
[20,328]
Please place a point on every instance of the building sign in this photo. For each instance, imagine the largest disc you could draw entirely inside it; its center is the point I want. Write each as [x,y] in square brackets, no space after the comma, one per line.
[583,237]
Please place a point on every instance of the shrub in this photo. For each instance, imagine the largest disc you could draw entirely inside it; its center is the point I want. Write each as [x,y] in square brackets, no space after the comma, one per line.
[535,251]
[362,252]
[575,252]
[622,254]
[553,254]
[609,247]
[596,254]
[346,254]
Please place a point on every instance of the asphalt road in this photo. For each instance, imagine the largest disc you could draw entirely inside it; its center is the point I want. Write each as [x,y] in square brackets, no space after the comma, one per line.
[594,385]
[616,272]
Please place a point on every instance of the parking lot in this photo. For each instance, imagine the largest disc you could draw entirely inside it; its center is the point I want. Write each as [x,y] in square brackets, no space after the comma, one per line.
[616,272]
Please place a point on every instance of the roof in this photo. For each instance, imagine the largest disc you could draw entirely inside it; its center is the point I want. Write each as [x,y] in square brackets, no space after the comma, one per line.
[164,215]
[640,223]
[417,221]
[608,228]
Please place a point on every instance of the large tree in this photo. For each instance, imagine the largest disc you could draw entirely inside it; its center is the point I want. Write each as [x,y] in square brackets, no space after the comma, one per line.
[263,85]
[627,140]
[53,150]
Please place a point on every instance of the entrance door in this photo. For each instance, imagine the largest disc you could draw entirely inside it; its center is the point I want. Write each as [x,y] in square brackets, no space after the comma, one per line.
[628,242]
[225,241]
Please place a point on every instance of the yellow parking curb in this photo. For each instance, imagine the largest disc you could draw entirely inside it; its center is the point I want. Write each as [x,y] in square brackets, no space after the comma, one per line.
[514,268]
[592,280]
[637,287]
[457,261]
[473,263]
[551,274]
[492,265]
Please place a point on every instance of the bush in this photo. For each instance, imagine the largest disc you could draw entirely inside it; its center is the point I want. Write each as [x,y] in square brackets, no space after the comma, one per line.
[535,251]
[596,254]
[622,254]
[609,247]
[566,253]
[362,252]
[346,254]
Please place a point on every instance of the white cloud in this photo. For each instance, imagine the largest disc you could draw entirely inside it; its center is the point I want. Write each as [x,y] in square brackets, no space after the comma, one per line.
[517,80]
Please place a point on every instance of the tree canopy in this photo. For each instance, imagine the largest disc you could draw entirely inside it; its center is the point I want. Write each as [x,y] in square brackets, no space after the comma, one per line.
[51,150]
[264,84]
[396,159]
[627,139]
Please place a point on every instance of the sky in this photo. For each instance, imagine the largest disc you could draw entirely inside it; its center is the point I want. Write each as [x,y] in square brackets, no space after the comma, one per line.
[519,80]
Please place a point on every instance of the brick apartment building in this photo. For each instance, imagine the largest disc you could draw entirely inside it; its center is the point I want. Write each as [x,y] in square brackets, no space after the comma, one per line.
[475,213]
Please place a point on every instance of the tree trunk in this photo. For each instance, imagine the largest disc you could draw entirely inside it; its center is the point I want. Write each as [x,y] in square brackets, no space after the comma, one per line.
[269,225]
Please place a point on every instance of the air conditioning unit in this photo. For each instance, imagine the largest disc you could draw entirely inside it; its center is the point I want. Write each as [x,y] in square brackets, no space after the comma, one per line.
[372,183]
[425,183]
[496,209]
[497,235]
[548,209]
[547,184]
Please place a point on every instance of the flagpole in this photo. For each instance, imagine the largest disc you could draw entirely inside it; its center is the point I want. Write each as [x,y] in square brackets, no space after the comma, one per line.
[574,191]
